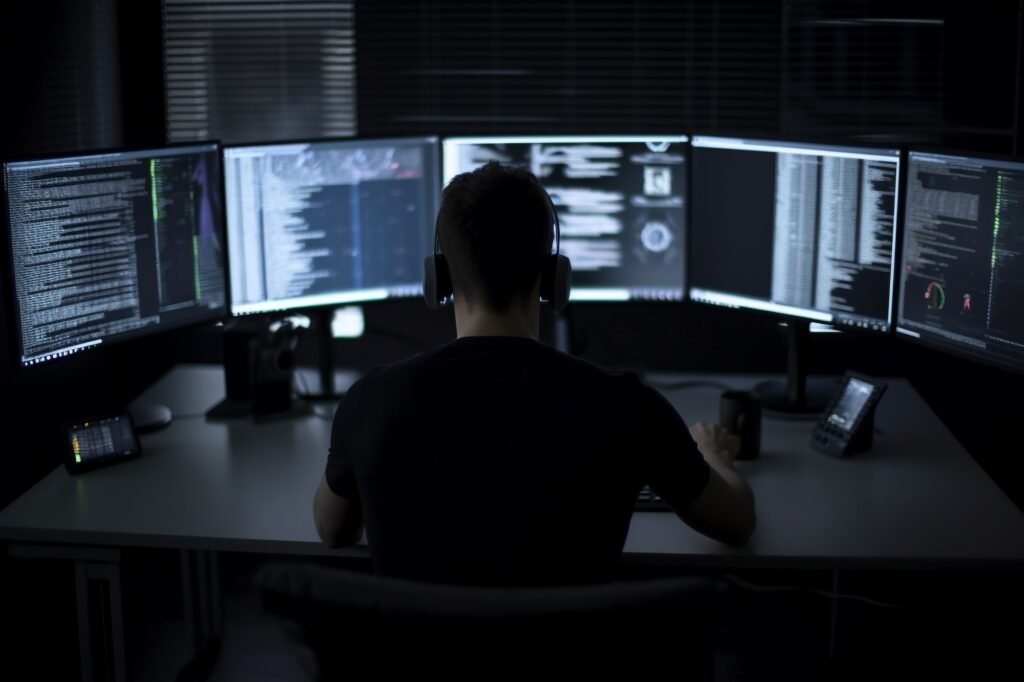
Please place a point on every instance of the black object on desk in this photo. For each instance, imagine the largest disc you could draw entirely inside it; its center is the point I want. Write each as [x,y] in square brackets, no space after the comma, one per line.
[848,424]
[740,412]
[259,365]
[150,418]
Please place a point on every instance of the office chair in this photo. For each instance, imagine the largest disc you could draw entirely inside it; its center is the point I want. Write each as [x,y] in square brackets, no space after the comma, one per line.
[359,622]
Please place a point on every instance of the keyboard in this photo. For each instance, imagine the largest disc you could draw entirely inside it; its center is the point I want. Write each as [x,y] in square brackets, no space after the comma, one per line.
[647,500]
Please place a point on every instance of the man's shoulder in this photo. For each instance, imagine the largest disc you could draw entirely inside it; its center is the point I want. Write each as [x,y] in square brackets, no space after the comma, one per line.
[401,369]
[620,378]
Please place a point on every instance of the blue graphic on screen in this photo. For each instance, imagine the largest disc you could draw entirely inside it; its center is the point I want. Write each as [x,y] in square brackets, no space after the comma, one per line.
[328,222]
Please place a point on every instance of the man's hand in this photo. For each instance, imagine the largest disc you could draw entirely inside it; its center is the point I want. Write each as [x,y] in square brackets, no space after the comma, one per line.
[339,520]
[714,440]
[725,510]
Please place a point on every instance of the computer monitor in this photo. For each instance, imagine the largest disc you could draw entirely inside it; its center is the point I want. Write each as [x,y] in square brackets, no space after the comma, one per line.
[328,222]
[800,230]
[111,246]
[963,257]
[621,201]
[803,231]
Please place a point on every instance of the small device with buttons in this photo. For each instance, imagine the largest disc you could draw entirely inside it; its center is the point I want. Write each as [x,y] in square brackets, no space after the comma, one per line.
[848,423]
[98,442]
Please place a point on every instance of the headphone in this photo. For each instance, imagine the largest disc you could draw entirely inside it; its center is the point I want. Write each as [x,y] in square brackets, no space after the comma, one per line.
[555,274]
[274,350]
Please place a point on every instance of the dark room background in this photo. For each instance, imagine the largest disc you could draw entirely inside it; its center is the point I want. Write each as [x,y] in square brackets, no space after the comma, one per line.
[87,74]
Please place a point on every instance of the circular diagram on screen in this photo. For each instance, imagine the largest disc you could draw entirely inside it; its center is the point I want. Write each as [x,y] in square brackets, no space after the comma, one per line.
[656,238]
[935,296]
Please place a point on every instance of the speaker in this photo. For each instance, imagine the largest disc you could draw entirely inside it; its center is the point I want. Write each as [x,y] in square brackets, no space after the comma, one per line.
[259,366]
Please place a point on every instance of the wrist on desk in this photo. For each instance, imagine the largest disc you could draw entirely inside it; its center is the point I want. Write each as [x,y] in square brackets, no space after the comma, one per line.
[718,459]
[723,464]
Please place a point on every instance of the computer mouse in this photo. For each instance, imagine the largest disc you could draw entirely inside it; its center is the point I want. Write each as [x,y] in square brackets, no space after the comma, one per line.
[151,417]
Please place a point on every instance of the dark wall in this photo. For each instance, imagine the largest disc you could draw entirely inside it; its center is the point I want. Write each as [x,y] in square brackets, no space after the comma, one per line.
[836,70]
[79,74]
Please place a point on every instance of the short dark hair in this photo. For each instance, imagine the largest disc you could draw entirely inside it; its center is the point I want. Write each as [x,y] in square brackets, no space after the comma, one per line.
[495,228]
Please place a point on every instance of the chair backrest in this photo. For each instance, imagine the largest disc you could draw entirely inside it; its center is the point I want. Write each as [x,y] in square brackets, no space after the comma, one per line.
[666,619]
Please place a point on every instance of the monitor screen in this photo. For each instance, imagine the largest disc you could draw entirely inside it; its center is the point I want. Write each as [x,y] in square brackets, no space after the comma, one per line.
[329,222]
[621,202]
[115,245]
[795,229]
[963,257]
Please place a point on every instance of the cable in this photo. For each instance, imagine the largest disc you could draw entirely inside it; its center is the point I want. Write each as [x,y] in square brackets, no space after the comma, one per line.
[810,590]
[680,385]
[179,417]
[320,415]
[299,379]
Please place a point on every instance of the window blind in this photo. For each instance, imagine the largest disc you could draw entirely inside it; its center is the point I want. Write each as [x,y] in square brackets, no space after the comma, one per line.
[248,71]
[569,66]
[61,83]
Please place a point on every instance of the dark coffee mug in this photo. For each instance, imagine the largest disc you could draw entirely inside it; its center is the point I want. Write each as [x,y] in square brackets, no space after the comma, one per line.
[740,412]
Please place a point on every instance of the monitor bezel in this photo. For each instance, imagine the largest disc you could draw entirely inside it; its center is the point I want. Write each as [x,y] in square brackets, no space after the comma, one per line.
[612,295]
[354,141]
[914,337]
[9,280]
[807,315]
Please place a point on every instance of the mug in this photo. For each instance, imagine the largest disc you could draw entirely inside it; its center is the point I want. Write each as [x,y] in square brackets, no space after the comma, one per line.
[740,412]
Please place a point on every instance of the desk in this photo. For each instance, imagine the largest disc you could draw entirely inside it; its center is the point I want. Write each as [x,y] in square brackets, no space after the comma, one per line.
[916,500]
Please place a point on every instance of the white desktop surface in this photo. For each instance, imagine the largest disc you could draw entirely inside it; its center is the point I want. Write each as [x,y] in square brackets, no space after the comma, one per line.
[917,499]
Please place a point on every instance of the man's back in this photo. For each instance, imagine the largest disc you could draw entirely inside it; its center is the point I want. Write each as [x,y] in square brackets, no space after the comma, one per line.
[498,460]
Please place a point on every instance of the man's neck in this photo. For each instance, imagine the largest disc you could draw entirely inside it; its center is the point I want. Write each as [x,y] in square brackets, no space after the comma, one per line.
[516,321]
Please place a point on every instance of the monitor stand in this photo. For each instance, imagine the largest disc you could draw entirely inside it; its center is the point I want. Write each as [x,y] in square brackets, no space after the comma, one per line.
[325,361]
[796,396]
[561,332]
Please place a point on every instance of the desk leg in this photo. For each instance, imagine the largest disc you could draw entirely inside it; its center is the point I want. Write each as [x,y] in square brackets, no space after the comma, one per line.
[833,632]
[216,605]
[188,589]
[200,586]
[108,643]
[97,568]
[84,626]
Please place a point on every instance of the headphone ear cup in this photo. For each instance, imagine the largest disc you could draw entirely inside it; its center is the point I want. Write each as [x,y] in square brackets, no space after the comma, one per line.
[563,282]
[437,281]
[430,282]
[555,280]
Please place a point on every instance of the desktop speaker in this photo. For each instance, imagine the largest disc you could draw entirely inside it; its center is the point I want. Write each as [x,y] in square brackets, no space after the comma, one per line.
[259,368]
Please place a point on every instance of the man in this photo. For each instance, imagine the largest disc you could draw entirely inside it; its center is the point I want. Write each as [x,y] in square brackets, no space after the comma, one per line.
[495,459]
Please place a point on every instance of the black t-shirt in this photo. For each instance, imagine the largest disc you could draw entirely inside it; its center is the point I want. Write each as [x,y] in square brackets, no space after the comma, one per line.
[501,461]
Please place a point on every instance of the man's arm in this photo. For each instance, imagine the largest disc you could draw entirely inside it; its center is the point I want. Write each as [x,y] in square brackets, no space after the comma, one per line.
[724,510]
[339,520]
